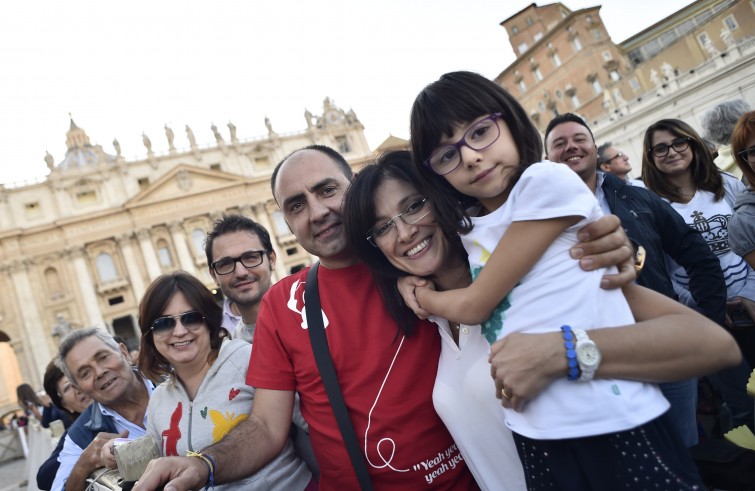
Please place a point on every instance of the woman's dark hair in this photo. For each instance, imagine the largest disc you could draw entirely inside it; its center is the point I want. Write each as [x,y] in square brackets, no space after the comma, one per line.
[705,174]
[458,98]
[744,131]
[359,217]
[25,395]
[52,376]
[156,298]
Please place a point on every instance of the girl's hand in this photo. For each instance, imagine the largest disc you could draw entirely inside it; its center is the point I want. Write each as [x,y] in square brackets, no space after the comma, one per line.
[407,287]
[739,311]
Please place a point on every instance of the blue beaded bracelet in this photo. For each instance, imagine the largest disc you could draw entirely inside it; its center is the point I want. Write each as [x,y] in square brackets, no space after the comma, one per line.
[210,484]
[571,355]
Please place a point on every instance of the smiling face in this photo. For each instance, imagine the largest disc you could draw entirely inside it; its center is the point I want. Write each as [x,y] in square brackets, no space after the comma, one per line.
[72,399]
[674,163]
[183,348]
[244,286]
[101,372]
[309,190]
[419,249]
[570,143]
[484,174]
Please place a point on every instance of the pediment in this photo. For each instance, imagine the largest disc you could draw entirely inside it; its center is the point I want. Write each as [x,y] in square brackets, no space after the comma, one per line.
[182,181]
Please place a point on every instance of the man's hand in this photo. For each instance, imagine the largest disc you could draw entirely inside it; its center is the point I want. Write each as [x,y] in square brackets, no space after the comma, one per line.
[180,474]
[525,364]
[107,452]
[604,243]
[92,455]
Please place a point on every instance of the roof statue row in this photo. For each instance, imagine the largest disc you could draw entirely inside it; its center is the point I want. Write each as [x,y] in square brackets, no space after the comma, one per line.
[81,153]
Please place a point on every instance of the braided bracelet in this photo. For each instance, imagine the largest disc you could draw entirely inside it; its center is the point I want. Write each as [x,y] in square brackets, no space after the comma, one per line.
[210,484]
[571,354]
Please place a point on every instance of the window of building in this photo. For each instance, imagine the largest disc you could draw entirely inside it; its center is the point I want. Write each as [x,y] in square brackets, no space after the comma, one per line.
[538,36]
[652,48]
[556,60]
[575,101]
[215,167]
[197,239]
[668,37]
[730,22]
[703,17]
[522,48]
[559,94]
[636,56]
[105,267]
[54,286]
[635,84]
[596,86]
[529,21]
[685,27]
[342,142]
[576,44]
[538,74]
[597,34]
[262,161]
[115,300]
[279,222]
[607,56]
[703,39]
[541,106]
[163,254]
[514,30]
[614,75]
[752,4]
[32,209]
[522,86]
[143,183]
[86,197]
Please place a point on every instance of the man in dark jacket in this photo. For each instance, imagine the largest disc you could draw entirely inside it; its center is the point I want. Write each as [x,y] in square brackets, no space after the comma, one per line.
[655,226]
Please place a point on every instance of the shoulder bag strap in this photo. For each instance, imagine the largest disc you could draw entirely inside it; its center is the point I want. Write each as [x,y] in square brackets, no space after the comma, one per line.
[329,379]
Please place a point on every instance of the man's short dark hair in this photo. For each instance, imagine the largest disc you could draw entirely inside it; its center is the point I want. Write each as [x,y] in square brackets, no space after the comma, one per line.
[602,157]
[333,154]
[564,118]
[236,223]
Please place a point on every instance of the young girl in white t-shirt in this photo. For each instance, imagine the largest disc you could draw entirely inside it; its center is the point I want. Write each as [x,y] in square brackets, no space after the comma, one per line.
[471,138]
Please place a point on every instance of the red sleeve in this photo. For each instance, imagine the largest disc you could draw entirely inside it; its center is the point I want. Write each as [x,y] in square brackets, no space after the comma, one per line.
[270,366]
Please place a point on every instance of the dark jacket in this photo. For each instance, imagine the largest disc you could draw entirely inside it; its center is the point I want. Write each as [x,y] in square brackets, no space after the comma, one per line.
[83,431]
[655,225]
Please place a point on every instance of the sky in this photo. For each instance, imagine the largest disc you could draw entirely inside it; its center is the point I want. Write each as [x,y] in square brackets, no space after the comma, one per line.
[121,68]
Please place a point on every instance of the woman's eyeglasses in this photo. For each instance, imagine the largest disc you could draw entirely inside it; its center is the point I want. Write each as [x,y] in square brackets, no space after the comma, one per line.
[747,155]
[661,150]
[415,211]
[163,326]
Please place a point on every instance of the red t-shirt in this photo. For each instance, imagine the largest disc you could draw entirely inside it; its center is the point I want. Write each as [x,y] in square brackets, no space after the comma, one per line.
[387,382]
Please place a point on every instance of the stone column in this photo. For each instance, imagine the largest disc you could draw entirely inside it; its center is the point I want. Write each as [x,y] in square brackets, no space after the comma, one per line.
[33,328]
[87,287]
[258,212]
[129,258]
[185,260]
[149,254]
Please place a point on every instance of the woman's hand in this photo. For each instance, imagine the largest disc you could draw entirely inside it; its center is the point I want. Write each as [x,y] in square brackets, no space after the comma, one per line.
[407,287]
[738,311]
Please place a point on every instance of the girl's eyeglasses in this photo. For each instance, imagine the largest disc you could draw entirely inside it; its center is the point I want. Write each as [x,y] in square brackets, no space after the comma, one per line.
[445,159]
[661,150]
[163,326]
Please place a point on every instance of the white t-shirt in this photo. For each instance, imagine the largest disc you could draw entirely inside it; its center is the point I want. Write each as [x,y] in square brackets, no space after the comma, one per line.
[711,218]
[556,292]
[464,398]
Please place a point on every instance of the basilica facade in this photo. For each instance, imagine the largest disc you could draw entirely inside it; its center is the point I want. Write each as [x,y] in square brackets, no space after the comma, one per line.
[79,247]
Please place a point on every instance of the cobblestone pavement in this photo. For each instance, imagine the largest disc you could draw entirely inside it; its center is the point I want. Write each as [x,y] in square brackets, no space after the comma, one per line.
[13,475]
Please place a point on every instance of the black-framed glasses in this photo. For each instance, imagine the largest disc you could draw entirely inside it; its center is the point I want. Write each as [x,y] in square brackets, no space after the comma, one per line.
[163,326]
[617,156]
[661,150]
[747,155]
[249,259]
[415,211]
[445,159]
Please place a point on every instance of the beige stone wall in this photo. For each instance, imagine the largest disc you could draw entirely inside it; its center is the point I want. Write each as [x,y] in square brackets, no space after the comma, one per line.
[97,235]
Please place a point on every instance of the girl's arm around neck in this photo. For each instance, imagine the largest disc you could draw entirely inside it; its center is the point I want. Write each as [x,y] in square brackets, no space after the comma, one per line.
[523,244]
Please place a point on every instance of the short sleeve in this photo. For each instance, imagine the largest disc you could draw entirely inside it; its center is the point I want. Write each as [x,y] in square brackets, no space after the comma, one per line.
[269,365]
[548,190]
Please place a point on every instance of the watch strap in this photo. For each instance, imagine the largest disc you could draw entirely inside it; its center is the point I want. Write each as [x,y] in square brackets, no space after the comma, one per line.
[587,372]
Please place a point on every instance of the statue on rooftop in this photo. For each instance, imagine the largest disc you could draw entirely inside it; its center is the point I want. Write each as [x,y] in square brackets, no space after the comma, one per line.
[147,142]
[117,147]
[170,136]
[190,136]
[232,130]
[728,38]
[49,160]
[218,136]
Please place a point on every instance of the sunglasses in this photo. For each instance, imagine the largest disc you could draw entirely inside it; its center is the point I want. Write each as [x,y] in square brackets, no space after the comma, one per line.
[163,326]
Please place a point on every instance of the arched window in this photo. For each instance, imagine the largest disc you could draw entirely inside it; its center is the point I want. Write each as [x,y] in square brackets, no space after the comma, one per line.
[281,227]
[106,267]
[52,280]
[163,253]
[197,238]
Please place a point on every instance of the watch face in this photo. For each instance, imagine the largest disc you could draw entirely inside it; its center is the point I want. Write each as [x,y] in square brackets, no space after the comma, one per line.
[588,354]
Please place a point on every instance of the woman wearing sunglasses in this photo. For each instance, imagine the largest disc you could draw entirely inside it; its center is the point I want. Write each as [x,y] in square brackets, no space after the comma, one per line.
[204,394]
[742,225]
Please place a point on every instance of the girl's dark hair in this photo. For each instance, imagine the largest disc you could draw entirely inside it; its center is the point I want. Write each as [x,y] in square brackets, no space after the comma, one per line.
[25,395]
[743,132]
[458,98]
[155,299]
[359,217]
[705,174]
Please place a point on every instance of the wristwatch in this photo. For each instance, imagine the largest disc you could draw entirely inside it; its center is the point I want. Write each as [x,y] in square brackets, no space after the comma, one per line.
[588,355]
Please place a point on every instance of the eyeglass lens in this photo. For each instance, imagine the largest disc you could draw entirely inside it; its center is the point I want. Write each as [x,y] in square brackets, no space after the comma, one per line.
[478,137]
[679,145]
[412,214]
[190,320]
[748,155]
[249,259]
